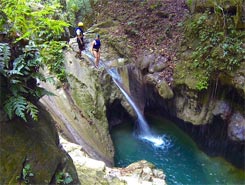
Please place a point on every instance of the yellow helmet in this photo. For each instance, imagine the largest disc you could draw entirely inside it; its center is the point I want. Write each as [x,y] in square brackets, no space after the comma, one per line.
[80,24]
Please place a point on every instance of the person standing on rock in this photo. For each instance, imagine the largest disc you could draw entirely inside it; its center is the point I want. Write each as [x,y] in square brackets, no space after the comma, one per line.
[80,42]
[95,49]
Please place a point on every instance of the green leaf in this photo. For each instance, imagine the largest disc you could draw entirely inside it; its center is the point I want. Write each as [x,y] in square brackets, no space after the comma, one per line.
[27,166]
[32,110]
[17,106]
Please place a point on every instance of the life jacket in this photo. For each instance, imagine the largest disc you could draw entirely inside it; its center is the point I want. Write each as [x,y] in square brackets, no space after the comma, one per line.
[81,30]
[96,44]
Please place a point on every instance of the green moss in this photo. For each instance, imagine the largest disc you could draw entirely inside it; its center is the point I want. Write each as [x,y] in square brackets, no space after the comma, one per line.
[184,75]
[35,144]
[211,48]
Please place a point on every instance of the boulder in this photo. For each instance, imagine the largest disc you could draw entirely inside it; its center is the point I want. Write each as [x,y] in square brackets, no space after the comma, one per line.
[92,171]
[236,128]
[161,86]
[223,109]
[164,90]
[30,152]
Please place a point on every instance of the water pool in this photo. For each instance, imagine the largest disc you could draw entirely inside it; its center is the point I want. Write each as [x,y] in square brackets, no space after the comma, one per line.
[178,156]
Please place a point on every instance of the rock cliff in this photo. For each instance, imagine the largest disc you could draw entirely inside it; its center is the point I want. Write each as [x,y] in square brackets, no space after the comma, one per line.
[162,81]
[31,153]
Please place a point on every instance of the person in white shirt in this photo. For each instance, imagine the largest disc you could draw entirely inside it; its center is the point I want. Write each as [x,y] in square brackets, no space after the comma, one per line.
[79,34]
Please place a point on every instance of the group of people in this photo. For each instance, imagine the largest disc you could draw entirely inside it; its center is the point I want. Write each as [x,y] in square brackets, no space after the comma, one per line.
[95,45]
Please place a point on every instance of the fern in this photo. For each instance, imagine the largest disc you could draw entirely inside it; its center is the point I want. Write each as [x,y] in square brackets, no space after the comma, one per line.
[32,110]
[20,95]
[4,55]
[16,105]
[20,106]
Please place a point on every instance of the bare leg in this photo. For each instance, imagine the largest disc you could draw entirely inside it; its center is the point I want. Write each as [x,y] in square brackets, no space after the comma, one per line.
[81,54]
[96,58]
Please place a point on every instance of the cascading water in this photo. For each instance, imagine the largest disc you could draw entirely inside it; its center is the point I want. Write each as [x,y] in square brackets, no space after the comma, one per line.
[144,132]
[143,128]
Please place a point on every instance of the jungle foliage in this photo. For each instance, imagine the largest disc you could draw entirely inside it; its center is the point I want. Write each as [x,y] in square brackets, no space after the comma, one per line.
[216,45]
[29,28]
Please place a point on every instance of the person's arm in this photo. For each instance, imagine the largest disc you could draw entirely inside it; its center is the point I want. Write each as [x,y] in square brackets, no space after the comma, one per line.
[92,45]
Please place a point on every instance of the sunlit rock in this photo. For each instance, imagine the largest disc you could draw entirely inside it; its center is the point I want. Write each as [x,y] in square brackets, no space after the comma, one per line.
[79,108]
[92,171]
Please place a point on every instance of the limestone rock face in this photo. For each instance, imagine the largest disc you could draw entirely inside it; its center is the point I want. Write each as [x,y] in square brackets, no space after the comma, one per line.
[191,108]
[79,107]
[161,86]
[92,171]
[32,147]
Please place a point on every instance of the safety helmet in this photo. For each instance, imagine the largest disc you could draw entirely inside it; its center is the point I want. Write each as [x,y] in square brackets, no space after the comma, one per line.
[80,24]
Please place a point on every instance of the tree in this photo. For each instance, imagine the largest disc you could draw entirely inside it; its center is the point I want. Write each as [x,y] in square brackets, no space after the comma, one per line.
[30,28]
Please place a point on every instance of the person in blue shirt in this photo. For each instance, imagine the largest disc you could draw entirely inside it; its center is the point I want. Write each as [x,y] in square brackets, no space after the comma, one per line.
[95,49]
[80,42]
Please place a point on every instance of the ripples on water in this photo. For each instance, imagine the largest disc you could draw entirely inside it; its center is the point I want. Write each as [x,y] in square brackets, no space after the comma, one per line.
[173,151]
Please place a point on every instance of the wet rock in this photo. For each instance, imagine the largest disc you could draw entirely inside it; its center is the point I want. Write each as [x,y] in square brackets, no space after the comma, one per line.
[236,128]
[191,108]
[223,109]
[239,82]
[202,5]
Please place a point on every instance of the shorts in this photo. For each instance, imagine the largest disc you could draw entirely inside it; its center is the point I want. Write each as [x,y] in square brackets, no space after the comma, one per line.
[80,45]
[97,50]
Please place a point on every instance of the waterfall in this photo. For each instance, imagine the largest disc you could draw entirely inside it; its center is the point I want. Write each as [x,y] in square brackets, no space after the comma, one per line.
[142,124]
[143,128]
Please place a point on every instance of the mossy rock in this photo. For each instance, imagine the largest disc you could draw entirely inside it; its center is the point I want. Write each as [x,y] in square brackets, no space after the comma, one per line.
[35,144]
[164,90]
[184,75]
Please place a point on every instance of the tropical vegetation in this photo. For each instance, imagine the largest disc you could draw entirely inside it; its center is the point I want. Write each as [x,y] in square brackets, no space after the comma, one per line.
[28,29]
